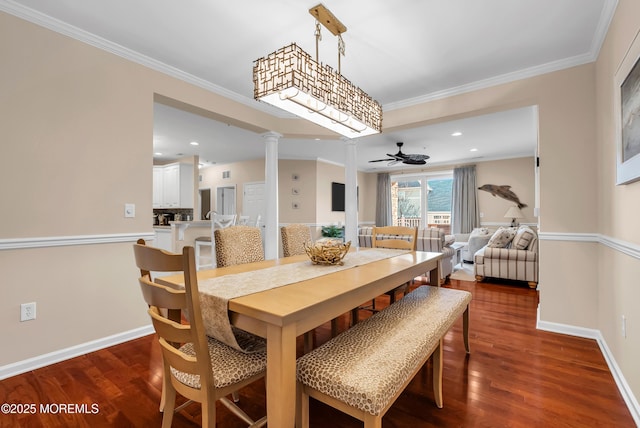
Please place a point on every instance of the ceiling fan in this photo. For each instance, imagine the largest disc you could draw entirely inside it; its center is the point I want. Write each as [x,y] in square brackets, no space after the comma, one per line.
[409,159]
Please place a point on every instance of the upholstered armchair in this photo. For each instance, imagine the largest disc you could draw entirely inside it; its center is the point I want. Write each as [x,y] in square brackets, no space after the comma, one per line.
[430,239]
[510,254]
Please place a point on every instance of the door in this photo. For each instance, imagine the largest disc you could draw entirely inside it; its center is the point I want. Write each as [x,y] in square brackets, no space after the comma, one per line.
[253,201]
[226,200]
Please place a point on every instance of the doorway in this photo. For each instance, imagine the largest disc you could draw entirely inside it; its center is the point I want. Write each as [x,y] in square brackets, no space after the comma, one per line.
[205,203]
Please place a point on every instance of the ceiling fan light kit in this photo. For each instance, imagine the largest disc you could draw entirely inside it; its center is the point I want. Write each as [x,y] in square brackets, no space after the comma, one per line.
[292,80]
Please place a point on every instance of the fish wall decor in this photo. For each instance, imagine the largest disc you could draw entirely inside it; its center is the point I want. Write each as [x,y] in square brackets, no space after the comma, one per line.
[504,192]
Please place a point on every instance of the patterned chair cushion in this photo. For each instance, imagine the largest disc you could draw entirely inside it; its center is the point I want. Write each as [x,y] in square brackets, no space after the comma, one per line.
[366,365]
[502,237]
[237,245]
[229,365]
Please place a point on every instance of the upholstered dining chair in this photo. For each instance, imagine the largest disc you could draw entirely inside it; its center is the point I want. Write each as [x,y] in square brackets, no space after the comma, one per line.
[218,221]
[237,245]
[294,236]
[198,367]
[392,237]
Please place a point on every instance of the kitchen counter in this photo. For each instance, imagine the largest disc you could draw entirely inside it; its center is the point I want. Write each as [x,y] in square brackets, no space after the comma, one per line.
[181,233]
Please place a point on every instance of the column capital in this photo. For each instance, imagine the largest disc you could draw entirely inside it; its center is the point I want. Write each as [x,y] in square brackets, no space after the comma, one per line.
[271,135]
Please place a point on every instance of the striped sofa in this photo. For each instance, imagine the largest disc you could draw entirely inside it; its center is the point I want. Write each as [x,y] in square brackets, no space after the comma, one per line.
[517,261]
[430,239]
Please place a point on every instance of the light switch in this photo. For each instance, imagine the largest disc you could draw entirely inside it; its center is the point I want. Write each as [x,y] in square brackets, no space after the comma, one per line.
[129,210]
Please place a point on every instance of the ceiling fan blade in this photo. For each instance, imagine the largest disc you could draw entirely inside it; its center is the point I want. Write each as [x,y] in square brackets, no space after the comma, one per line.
[381,160]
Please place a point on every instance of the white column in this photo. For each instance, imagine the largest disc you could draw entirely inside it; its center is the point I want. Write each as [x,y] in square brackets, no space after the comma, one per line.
[271,195]
[351,192]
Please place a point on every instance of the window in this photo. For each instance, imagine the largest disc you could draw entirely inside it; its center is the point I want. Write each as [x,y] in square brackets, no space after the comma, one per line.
[422,200]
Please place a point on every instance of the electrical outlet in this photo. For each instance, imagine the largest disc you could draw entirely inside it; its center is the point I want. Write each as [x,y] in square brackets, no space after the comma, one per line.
[28,311]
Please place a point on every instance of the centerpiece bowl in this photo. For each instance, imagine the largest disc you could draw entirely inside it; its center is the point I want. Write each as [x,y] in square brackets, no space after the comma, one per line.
[327,252]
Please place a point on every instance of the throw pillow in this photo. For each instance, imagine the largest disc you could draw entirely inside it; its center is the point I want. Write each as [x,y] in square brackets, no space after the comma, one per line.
[502,237]
[449,239]
[523,238]
[479,231]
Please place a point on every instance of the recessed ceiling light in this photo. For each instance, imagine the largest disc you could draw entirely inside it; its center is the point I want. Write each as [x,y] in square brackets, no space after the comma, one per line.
[456,134]
[194,143]
[473,150]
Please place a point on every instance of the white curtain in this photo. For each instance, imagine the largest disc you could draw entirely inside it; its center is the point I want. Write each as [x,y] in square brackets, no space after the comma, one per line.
[383,201]
[465,213]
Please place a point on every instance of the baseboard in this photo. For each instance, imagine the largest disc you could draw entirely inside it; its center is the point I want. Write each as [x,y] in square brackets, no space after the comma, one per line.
[627,395]
[24,366]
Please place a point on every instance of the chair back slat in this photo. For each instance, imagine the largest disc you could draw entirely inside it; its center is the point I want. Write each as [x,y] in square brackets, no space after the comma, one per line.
[169,330]
[395,237]
[161,296]
[178,360]
[157,261]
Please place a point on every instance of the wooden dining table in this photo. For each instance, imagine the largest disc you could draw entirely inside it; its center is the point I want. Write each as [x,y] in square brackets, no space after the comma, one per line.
[281,314]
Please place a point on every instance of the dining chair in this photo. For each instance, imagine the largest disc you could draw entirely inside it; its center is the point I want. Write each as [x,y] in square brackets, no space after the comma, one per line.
[237,245]
[198,367]
[392,237]
[218,221]
[244,220]
[294,236]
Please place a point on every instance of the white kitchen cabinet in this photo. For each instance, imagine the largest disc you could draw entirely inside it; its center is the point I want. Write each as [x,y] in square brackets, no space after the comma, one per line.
[163,238]
[158,186]
[173,186]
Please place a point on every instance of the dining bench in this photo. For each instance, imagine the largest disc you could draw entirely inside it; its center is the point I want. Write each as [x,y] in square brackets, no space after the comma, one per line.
[364,369]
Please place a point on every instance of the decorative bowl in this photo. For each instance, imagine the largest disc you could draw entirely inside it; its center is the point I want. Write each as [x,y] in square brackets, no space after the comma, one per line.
[327,252]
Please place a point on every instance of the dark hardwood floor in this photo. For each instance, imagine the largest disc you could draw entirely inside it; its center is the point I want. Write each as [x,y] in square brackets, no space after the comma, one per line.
[515,376]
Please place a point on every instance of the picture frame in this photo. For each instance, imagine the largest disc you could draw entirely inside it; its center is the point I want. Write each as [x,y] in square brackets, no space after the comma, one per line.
[626,108]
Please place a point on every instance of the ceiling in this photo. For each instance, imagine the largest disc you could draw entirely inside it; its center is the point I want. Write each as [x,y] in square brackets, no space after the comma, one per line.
[401,53]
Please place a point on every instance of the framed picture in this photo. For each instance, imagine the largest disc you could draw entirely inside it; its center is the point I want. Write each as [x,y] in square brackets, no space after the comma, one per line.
[627,116]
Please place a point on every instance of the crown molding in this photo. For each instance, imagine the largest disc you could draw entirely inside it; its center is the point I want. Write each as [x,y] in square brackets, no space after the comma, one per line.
[58,26]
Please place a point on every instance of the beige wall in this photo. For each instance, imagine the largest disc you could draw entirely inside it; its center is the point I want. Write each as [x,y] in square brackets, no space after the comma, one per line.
[64,102]
[617,209]
[518,173]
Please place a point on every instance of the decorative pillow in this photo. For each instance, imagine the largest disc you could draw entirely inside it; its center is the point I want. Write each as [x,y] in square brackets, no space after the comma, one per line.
[523,238]
[502,237]
[449,239]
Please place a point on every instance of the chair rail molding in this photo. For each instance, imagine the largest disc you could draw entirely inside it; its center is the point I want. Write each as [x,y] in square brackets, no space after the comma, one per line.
[62,241]
[629,248]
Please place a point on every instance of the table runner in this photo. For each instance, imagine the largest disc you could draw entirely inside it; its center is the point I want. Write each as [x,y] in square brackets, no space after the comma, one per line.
[215,293]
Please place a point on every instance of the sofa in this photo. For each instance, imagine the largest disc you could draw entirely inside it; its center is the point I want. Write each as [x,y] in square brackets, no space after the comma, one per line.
[430,239]
[511,253]
[478,238]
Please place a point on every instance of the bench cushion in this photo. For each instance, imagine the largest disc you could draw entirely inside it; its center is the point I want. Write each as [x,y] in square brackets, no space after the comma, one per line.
[366,366]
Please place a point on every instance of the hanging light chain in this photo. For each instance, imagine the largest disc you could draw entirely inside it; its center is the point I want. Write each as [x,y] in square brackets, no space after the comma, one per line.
[341,50]
[318,35]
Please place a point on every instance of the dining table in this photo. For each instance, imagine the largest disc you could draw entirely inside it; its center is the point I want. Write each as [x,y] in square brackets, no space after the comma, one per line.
[309,296]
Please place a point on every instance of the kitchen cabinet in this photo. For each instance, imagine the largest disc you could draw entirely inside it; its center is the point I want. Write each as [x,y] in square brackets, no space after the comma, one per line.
[158,186]
[173,186]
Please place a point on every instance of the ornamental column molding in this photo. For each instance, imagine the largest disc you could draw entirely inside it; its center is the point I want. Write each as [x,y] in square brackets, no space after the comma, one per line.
[351,192]
[271,194]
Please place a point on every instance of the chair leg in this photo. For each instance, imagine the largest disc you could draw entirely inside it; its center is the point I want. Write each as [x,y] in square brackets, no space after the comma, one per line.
[169,405]
[465,329]
[437,375]
[209,413]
